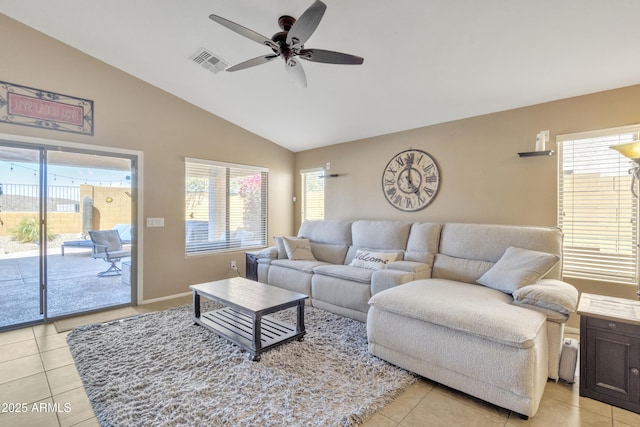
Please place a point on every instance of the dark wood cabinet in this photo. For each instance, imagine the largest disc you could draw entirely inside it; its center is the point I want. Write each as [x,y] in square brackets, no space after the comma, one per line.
[251,265]
[610,350]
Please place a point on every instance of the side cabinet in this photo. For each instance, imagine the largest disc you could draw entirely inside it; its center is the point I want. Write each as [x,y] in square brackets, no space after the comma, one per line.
[610,362]
[251,265]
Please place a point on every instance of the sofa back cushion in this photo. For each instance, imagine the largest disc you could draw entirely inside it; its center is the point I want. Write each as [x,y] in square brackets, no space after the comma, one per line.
[327,231]
[379,236]
[423,242]
[333,254]
[330,239]
[481,245]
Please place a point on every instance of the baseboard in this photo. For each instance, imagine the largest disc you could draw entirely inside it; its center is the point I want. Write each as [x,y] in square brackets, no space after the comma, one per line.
[151,301]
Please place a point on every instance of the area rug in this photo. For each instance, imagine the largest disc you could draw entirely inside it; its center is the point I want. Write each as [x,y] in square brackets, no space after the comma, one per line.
[160,369]
[101,317]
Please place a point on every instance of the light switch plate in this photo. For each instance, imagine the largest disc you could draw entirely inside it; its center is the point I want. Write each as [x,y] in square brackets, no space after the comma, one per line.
[155,222]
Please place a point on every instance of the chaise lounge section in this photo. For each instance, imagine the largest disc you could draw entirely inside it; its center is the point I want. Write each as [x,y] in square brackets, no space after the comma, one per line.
[478,307]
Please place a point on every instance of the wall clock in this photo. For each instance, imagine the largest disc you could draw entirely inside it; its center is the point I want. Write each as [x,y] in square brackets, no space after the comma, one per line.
[410,180]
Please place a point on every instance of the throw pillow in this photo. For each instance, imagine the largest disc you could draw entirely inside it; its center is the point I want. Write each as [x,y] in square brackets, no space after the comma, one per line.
[298,249]
[550,294]
[372,260]
[282,251]
[518,267]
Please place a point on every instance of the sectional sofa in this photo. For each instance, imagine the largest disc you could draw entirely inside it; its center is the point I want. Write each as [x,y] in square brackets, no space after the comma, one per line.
[480,308]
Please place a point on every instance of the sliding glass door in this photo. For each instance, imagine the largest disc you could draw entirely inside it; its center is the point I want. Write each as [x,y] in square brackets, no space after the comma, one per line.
[87,193]
[21,207]
[53,199]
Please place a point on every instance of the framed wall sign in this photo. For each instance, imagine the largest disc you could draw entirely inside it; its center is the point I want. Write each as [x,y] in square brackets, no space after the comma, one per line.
[27,106]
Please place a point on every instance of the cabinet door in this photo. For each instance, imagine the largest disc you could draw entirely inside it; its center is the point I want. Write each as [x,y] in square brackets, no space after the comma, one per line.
[612,363]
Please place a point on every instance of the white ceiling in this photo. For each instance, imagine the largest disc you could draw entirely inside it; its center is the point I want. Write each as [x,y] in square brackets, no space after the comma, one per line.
[426,61]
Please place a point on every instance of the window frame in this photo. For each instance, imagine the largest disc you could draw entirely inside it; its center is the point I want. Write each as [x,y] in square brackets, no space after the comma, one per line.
[304,176]
[227,243]
[584,259]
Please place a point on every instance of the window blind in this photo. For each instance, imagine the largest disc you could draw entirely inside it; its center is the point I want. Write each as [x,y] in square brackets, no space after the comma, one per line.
[312,194]
[225,205]
[597,210]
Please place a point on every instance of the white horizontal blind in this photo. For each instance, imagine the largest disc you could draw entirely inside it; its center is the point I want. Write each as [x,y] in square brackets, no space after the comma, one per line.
[226,206]
[312,194]
[597,210]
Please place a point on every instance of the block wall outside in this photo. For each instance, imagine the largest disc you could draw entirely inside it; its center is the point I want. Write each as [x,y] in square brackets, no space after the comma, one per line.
[58,222]
[111,206]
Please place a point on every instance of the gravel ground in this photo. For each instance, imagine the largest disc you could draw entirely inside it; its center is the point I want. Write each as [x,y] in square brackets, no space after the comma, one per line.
[9,245]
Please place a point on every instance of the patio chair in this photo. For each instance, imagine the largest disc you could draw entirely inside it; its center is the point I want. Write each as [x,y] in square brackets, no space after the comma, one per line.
[108,246]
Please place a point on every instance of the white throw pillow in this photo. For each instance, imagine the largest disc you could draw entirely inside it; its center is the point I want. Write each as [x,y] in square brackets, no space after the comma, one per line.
[372,260]
[298,249]
[518,267]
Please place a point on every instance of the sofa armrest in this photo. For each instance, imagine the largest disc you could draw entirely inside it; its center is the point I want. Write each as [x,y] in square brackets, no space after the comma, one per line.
[269,253]
[550,295]
[410,267]
[388,278]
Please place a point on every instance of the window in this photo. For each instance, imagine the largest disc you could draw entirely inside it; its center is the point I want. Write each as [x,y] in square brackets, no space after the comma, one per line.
[312,194]
[226,206]
[597,210]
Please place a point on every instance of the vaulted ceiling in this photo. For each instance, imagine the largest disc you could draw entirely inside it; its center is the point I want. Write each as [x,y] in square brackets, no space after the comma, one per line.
[426,61]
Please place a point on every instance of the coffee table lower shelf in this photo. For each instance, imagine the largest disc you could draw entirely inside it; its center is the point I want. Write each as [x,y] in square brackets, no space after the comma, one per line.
[238,328]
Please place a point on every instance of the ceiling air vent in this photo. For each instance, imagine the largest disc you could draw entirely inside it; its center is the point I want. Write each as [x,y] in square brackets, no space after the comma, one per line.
[208,60]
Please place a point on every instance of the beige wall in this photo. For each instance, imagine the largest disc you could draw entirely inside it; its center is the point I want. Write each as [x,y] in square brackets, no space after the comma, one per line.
[131,114]
[482,178]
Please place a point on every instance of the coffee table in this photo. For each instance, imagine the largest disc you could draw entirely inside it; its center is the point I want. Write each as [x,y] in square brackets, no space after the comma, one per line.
[244,319]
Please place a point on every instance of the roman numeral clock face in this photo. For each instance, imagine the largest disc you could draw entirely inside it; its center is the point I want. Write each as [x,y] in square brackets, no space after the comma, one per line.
[410,180]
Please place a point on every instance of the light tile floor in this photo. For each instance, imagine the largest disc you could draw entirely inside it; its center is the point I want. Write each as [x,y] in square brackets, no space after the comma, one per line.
[39,386]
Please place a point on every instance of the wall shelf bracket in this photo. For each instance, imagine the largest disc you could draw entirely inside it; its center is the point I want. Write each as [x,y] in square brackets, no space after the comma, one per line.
[536,153]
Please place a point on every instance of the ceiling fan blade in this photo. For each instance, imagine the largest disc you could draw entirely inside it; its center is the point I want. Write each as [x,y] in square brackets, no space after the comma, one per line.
[294,68]
[244,31]
[330,57]
[252,62]
[306,24]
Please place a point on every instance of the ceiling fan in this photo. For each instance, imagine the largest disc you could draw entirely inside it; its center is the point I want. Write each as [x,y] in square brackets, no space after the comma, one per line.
[289,43]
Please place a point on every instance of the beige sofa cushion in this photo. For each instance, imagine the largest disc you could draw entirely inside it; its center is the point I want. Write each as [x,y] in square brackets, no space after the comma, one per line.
[459,269]
[423,242]
[333,254]
[473,309]
[306,266]
[518,267]
[388,235]
[550,294]
[488,242]
[346,272]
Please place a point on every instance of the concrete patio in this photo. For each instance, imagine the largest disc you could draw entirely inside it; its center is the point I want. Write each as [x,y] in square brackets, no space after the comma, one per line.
[73,285]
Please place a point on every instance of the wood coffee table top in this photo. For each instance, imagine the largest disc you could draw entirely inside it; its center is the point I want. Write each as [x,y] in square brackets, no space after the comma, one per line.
[242,293]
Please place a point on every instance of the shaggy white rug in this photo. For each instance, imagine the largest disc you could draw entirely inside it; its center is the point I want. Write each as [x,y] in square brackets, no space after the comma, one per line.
[160,369]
